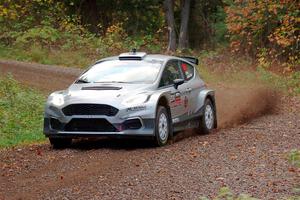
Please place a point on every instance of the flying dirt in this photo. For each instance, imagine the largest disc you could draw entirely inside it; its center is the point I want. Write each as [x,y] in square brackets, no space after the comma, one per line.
[239,105]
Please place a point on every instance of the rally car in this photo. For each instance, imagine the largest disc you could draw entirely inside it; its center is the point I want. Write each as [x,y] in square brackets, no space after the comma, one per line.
[133,94]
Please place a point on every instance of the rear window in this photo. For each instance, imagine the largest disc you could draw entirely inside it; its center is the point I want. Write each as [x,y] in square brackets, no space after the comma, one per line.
[188,70]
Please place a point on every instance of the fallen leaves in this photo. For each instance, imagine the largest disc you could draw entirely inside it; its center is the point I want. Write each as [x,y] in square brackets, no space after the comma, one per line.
[38,152]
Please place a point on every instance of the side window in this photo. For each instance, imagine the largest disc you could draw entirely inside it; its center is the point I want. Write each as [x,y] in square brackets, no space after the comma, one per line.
[188,70]
[170,73]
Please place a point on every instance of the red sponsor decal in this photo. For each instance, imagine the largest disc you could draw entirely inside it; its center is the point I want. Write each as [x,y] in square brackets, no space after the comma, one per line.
[177,101]
[184,67]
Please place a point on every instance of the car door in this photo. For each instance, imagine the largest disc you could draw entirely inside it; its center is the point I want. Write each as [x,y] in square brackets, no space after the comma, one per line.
[191,90]
[171,72]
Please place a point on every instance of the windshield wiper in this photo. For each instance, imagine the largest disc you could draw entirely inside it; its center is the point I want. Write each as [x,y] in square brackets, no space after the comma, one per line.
[111,82]
[81,81]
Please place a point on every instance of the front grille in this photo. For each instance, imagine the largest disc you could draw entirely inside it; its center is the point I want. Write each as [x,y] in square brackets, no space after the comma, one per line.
[89,109]
[90,125]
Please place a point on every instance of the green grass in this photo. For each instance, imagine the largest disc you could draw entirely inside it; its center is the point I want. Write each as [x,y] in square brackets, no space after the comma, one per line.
[41,55]
[73,49]
[289,84]
[21,114]
[294,157]
[226,194]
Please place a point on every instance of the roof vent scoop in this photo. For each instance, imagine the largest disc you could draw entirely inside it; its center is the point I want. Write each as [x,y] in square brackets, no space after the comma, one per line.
[133,55]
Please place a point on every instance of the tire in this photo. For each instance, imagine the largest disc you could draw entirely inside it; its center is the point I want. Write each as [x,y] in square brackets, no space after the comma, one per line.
[208,120]
[163,127]
[60,143]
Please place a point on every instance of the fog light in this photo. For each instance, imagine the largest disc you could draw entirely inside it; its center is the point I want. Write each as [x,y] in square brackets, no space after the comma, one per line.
[132,124]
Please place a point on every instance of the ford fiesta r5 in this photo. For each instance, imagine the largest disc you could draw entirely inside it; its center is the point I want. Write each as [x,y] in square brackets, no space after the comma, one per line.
[133,94]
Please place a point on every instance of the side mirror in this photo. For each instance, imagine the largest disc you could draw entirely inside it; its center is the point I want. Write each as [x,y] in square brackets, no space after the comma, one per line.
[178,82]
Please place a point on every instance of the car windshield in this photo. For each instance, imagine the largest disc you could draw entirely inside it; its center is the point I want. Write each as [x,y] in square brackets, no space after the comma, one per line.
[120,71]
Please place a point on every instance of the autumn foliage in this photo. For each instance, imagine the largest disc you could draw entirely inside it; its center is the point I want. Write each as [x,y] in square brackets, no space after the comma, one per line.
[265,29]
[269,24]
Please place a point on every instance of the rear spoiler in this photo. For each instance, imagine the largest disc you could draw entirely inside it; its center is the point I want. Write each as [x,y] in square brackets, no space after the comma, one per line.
[190,59]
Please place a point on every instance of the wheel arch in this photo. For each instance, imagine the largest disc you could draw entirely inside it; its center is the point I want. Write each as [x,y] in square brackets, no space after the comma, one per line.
[163,101]
[208,94]
[212,99]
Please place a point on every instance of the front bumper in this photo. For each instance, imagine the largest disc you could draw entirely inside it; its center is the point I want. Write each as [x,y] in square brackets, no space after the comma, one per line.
[146,129]
[125,123]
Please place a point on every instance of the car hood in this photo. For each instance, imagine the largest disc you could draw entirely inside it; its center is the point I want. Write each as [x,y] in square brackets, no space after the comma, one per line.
[101,93]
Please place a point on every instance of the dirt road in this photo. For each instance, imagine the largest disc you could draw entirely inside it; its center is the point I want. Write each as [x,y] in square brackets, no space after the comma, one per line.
[248,158]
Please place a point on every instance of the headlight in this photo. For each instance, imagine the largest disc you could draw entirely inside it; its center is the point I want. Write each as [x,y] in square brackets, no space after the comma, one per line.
[57,99]
[136,100]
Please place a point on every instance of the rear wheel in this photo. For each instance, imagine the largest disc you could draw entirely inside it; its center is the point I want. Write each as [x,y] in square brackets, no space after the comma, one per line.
[162,126]
[60,143]
[207,121]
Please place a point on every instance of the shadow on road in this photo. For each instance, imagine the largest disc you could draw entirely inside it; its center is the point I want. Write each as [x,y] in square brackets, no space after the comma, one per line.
[124,143]
[112,143]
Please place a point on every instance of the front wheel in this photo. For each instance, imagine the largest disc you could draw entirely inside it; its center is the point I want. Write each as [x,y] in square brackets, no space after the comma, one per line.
[162,126]
[60,143]
[207,121]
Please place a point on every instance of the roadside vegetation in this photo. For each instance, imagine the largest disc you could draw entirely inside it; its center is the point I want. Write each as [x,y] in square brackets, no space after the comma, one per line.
[294,158]
[226,194]
[21,114]
[57,35]
[250,39]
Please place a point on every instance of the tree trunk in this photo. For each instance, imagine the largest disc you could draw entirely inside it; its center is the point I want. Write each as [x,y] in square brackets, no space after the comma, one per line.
[90,14]
[169,10]
[185,14]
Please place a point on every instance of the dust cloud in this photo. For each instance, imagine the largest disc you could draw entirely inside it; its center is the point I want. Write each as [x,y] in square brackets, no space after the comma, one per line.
[240,105]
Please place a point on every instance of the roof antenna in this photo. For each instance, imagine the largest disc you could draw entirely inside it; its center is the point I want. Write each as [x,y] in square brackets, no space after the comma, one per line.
[133,51]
